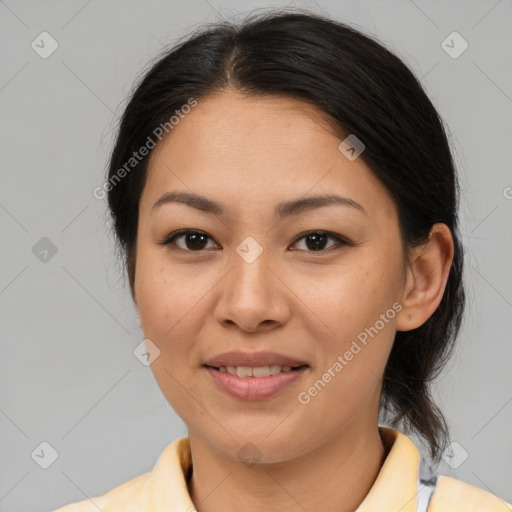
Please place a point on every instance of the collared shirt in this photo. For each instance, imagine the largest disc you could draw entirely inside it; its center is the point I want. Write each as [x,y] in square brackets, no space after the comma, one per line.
[398,487]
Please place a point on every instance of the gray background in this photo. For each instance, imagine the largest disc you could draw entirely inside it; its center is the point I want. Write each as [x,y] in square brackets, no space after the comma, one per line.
[68,375]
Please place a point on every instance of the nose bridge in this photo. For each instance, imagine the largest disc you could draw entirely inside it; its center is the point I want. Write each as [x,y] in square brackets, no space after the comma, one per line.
[251,269]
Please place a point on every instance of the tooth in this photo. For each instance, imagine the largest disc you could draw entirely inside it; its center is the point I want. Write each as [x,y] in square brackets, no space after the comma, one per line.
[261,371]
[244,371]
[254,371]
[275,369]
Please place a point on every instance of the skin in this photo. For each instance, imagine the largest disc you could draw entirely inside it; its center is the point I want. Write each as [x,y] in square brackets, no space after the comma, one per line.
[249,154]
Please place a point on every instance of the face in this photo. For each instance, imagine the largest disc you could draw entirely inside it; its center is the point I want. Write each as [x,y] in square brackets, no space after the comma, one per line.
[318,285]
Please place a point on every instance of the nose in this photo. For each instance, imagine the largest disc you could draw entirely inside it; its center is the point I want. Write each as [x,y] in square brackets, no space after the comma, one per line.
[253,297]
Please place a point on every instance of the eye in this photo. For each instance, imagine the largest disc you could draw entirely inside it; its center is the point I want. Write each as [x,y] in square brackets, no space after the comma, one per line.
[316,240]
[196,241]
[193,239]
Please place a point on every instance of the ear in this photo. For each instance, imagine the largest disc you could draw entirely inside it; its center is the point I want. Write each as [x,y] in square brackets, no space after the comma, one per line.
[427,272]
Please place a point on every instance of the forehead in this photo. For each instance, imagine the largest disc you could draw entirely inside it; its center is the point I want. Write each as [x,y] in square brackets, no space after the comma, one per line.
[243,149]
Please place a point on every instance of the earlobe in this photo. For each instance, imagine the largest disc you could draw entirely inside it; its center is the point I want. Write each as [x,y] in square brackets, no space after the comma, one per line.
[427,274]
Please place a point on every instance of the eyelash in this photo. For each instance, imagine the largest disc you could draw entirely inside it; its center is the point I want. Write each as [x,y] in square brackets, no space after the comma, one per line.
[173,236]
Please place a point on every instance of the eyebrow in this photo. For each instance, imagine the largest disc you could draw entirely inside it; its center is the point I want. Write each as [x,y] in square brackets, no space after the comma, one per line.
[282,210]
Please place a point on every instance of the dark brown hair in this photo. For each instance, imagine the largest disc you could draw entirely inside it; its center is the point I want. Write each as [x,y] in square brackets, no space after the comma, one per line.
[366,90]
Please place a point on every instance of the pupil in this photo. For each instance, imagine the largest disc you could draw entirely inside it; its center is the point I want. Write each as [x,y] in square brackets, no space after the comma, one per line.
[196,242]
[318,241]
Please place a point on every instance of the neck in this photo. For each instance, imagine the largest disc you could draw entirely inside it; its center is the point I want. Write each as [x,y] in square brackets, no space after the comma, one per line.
[336,476]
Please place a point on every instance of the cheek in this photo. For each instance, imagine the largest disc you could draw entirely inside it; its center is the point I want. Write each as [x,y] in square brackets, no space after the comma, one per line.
[166,304]
[162,294]
[172,301]
[351,297]
[356,304]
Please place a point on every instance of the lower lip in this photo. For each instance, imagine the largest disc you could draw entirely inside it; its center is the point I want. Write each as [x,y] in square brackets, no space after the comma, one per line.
[254,388]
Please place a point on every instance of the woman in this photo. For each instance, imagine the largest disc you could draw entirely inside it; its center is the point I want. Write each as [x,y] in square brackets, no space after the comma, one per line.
[291,241]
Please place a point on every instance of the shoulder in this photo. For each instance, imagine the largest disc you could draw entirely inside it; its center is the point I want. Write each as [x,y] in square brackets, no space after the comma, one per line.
[453,495]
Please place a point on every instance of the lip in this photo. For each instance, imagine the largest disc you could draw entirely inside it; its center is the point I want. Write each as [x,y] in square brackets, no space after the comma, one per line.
[254,388]
[238,358]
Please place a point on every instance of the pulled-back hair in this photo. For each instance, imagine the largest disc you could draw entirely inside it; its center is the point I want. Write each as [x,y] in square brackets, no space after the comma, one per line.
[365,90]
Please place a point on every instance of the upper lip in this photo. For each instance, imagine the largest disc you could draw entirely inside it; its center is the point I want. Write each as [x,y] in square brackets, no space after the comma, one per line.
[253,359]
